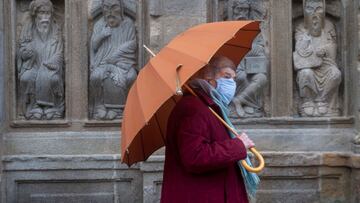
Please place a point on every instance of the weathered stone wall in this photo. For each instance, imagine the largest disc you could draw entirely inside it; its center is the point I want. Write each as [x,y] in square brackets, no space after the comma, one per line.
[75,157]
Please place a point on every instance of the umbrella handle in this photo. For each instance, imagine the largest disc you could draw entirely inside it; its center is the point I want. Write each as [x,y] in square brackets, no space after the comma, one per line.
[178,86]
[261,162]
[252,149]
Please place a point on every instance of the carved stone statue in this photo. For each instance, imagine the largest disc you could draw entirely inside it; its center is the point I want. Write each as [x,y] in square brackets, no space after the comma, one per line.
[318,76]
[246,9]
[112,61]
[40,64]
[251,75]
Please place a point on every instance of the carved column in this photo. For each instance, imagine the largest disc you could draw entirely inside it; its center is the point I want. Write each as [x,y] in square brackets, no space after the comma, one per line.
[281,58]
[76,48]
[355,174]
[2,96]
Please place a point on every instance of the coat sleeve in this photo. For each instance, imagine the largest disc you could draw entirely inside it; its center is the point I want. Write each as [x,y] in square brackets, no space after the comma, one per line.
[198,153]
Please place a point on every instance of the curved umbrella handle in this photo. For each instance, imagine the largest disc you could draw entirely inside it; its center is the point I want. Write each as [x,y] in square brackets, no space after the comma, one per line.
[261,162]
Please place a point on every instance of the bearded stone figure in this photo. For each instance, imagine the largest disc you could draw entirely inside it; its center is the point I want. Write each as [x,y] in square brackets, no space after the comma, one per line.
[251,73]
[40,65]
[112,62]
[318,76]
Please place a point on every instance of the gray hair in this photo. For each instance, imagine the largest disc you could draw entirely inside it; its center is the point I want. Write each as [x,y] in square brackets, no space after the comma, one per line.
[215,65]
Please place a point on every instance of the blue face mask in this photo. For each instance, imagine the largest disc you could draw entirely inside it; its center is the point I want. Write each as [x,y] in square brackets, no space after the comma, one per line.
[226,87]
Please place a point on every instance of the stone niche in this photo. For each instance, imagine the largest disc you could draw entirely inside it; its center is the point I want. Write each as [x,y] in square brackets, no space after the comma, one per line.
[39,60]
[113,56]
[252,76]
[318,58]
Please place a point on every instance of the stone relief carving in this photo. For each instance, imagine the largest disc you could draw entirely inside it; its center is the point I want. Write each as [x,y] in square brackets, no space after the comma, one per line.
[246,9]
[40,64]
[251,74]
[318,75]
[112,61]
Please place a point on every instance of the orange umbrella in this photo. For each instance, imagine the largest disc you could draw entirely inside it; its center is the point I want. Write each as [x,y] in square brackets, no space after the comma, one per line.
[154,93]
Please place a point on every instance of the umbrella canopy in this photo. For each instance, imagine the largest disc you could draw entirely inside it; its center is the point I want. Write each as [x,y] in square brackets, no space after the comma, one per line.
[153,95]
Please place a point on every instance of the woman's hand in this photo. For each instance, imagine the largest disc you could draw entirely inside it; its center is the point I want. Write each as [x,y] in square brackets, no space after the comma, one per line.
[246,140]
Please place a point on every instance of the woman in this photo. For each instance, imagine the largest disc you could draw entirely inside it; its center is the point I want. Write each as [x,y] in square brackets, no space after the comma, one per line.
[200,163]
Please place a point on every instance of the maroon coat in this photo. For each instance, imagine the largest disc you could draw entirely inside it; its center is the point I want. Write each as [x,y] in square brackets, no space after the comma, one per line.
[200,161]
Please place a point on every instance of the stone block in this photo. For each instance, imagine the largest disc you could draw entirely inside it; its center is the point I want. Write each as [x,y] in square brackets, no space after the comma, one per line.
[89,181]
[152,178]
[336,159]
[355,161]
[56,143]
[356,148]
[355,186]
[303,140]
[292,159]
[298,196]
[334,184]
[152,183]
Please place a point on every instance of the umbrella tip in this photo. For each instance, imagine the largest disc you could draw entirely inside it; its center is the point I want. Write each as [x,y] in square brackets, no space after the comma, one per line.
[149,50]
[179,92]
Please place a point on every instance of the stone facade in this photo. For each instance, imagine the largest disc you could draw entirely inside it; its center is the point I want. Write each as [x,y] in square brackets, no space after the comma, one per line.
[75,157]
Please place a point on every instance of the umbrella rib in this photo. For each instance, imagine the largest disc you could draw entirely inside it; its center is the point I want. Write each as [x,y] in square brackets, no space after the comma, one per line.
[233,45]
[161,133]
[128,158]
[250,30]
[140,103]
[142,144]
[173,98]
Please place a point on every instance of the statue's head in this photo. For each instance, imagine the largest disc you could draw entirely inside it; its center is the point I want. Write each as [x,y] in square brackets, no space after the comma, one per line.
[41,11]
[240,9]
[113,12]
[314,16]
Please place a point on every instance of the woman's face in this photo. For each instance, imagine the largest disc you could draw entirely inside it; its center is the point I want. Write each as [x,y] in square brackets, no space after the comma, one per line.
[223,73]
[207,74]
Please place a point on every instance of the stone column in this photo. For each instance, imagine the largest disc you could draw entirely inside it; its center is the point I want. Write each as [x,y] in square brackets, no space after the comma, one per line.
[355,87]
[281,58]
[75,45]
[355,174]
[1,95]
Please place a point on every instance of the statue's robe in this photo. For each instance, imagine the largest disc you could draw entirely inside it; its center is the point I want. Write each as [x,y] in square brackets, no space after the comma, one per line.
[318,77]
[250,86]
[41,85]
[110,82]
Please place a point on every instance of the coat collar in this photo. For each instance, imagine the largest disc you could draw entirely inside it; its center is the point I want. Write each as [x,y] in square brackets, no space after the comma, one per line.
[206,99]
